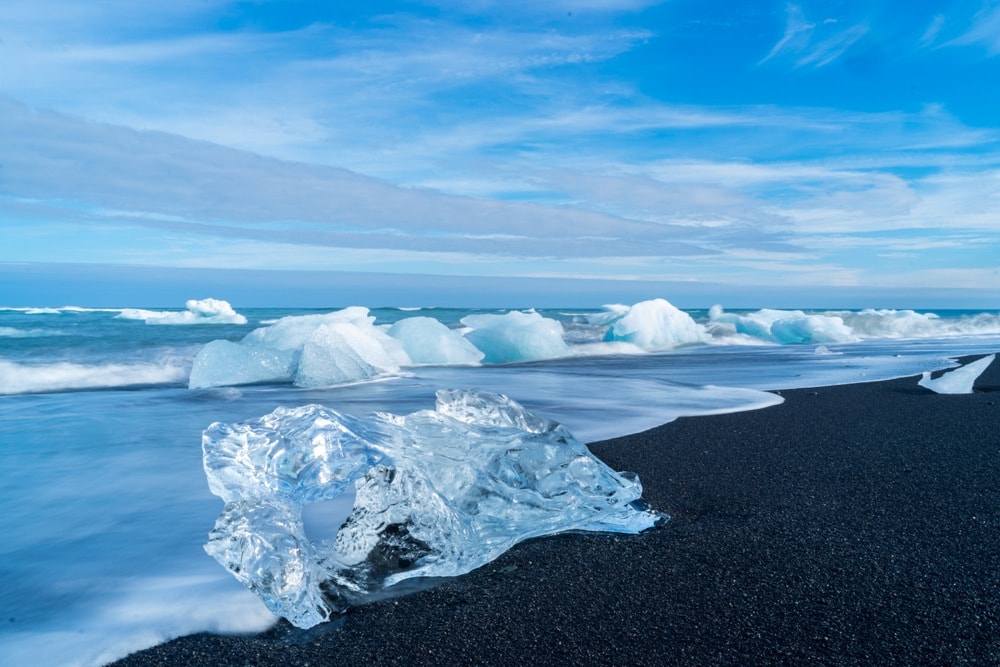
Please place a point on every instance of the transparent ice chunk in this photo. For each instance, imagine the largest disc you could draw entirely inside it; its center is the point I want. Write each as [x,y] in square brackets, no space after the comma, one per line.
[437,493]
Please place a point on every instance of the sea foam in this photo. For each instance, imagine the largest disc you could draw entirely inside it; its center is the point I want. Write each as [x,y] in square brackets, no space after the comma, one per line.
[782,326]
[13,332]
[16,378]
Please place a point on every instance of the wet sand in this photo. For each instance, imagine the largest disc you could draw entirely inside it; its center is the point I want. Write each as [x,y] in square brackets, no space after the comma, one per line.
[851,525]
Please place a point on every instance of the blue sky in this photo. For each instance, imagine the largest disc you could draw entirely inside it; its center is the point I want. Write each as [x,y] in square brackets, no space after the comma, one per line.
[699,150]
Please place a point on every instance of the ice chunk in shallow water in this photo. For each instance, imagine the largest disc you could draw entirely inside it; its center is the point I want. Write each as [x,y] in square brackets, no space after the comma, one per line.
[309,350]
[345,352]
[784,326]
[959,380]
[199,311]
[428,341]
[222,362]
[516,336]
[656,324]
[438,493]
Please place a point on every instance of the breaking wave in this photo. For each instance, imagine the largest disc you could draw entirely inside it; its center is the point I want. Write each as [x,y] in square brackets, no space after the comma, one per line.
[789,327]
[199,311]
[16,378]
[13,332]
[34,310]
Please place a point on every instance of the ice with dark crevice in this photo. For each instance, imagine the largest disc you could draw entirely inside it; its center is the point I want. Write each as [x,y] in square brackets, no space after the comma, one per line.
[437,493]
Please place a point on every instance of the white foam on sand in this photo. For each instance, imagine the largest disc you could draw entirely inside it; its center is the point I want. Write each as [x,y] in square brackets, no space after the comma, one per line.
[150,612]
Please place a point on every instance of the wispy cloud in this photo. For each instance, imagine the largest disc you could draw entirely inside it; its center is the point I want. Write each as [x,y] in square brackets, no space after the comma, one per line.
[808,43]
[933,30]
[832,48]
[984,30]
[797,36]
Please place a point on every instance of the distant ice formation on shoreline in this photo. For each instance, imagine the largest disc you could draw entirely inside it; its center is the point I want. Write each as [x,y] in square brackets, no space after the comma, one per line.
[198,311]
[349,345]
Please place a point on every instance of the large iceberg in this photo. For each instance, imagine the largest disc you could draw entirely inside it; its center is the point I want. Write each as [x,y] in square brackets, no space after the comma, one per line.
[437,493]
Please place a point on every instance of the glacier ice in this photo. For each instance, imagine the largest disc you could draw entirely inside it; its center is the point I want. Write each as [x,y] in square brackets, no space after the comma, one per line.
[516,336]
[437,493]
[959,380]
[308,350]
[222,362]
[346,346]
[347,351]
[655,324]
[199,311]
[784,326]
[428,341]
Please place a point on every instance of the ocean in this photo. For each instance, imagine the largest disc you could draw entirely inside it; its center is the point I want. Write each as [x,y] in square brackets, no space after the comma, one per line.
[104,505]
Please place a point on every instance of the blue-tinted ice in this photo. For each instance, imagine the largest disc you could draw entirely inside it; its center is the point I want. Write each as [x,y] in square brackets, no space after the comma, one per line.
[959,380]
[438,493]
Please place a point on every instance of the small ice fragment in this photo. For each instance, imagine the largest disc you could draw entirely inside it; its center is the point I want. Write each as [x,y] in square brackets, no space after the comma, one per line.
[959,380]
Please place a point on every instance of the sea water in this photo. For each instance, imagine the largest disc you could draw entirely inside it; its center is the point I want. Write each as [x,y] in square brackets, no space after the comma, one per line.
[104,505]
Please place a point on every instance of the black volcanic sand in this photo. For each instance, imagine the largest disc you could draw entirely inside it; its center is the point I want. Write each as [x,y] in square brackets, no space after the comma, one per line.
[851,525]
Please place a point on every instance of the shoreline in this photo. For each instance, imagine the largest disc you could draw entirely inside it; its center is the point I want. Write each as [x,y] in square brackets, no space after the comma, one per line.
[850,525]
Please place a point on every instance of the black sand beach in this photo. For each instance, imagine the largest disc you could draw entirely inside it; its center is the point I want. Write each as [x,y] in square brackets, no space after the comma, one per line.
[851,525]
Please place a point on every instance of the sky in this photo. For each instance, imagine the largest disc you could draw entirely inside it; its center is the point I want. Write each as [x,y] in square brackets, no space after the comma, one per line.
[441,152]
